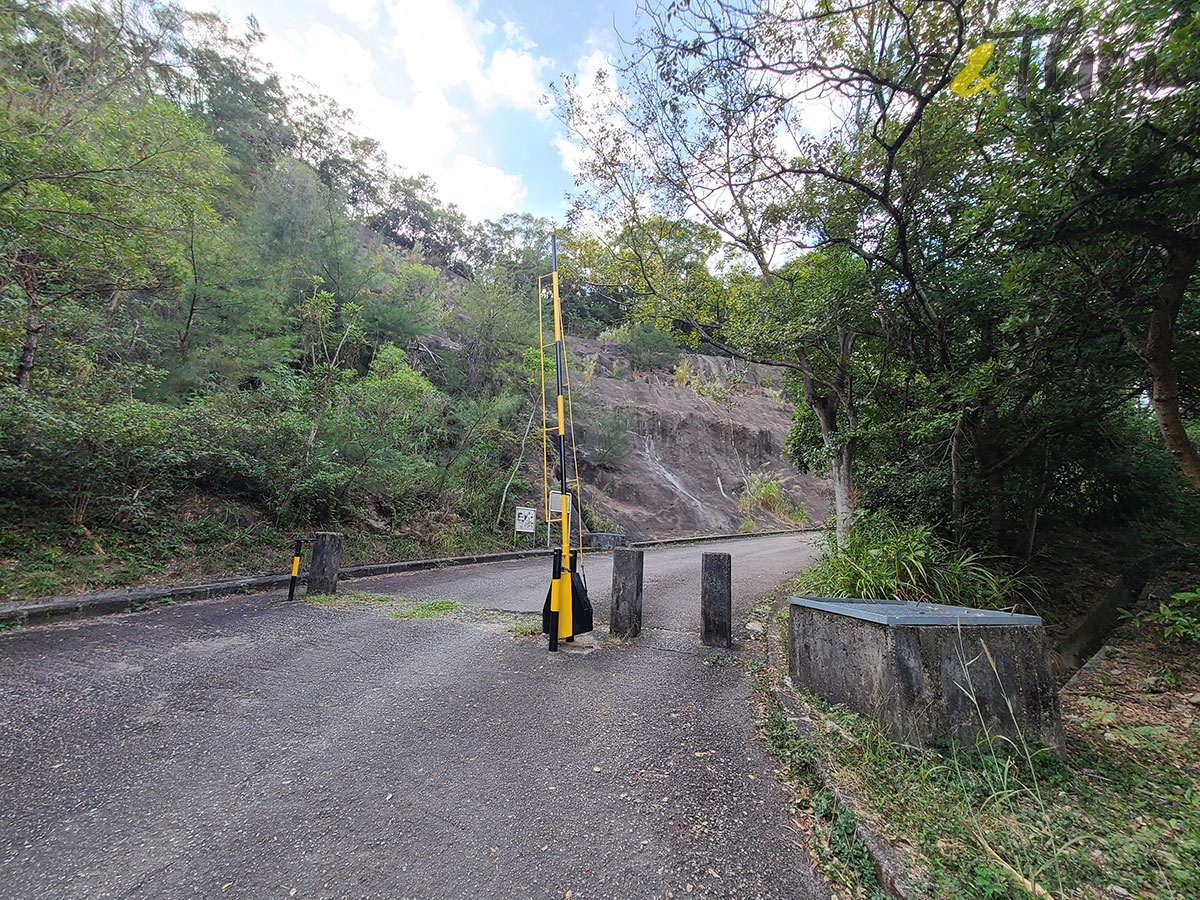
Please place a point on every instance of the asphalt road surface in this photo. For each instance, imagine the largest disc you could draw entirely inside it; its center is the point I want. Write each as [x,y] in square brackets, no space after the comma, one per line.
[252,748]
[670,579]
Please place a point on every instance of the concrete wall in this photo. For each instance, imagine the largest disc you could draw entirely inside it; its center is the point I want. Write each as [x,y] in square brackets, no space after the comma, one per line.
[922,682]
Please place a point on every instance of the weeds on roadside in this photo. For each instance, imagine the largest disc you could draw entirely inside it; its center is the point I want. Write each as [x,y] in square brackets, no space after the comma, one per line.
[1003,818]
[840,852]
[722,659]
[880,559]
[526,628]
[765,490]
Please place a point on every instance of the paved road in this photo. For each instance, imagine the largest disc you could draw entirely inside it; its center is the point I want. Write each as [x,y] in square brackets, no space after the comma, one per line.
[671,579]
[253,749]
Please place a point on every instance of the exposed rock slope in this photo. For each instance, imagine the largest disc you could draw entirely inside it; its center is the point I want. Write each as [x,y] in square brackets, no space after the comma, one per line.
[693,438]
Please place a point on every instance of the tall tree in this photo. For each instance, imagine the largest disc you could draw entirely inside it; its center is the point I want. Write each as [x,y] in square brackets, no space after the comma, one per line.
[83,134]
[1108,171]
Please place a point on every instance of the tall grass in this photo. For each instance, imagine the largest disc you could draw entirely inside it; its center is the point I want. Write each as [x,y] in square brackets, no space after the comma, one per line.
[683,374]
[765,490]
[880,559]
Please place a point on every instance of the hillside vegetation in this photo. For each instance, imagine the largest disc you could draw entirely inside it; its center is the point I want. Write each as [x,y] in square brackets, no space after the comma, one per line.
[229,320]
[214,303]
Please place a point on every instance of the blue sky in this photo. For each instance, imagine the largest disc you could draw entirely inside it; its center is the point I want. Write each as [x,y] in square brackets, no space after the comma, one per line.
[452,88]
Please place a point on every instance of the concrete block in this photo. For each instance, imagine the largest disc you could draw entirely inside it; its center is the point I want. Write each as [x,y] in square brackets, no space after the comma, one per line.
[603,540]
[625,617]
[326,562]
[716,600]
[925,671]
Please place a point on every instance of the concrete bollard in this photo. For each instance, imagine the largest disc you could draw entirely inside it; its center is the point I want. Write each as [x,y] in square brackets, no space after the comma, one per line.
[326,561]
[716,600]
[625,617]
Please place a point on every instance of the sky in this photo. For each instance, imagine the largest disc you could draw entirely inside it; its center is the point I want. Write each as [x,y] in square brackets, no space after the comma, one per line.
[455,89]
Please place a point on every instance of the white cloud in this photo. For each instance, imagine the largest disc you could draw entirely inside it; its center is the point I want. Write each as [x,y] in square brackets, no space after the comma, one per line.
[361,12]
[442,46]
[596,95]
[570,153]
[515,77]
[333,60]
[514,34]
[482,190]
[433,123]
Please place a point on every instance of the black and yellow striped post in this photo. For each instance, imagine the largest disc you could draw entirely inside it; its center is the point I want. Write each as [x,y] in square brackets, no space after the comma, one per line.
[300,542]
[567,611]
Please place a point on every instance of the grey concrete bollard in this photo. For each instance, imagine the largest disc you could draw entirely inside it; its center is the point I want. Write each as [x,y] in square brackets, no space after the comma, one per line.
[326,561]
[716,600]
[625,617]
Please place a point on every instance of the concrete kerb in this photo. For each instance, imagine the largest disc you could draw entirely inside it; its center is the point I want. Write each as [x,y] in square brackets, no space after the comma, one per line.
[726,537]
[891,869]
[78,606]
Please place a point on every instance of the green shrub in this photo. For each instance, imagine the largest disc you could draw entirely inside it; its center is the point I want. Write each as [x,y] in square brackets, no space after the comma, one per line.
[1179,618]
[881,559]
[683,374]
[596,520]
[610,440]
[649,348]
[616,335]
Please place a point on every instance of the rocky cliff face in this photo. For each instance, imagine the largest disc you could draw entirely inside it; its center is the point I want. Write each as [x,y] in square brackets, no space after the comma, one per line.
[669,454]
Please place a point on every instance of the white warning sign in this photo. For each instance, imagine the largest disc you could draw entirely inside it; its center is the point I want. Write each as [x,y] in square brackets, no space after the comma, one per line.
[526,519]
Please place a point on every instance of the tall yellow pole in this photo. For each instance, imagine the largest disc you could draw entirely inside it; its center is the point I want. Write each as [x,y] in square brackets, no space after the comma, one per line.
[563,578]
[567,611]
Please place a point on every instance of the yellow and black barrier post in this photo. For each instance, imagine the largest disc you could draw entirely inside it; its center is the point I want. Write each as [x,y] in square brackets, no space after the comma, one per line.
[300,542]
[567,611]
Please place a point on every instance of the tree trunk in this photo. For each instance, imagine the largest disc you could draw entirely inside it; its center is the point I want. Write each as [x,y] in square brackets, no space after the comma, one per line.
[517,465]
[987,441]
[1164,396]
[843,489]
[33,332]
[1159,354]
[841,447]
[957,485]
[841,461]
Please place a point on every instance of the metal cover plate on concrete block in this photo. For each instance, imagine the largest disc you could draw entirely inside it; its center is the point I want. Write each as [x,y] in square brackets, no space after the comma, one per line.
[903,612]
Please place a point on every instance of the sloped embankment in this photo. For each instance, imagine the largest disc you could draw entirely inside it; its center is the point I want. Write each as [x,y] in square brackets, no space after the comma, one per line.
[685,444]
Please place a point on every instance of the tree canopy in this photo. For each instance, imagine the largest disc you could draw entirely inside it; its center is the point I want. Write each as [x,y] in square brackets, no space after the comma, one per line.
[962,285]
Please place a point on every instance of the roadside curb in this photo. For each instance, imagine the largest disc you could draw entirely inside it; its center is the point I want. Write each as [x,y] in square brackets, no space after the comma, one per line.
[80,606]
[737,535]
[443,562]
[891,869]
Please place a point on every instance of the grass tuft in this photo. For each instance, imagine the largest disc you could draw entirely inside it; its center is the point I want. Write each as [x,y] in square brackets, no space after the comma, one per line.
[433,609]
